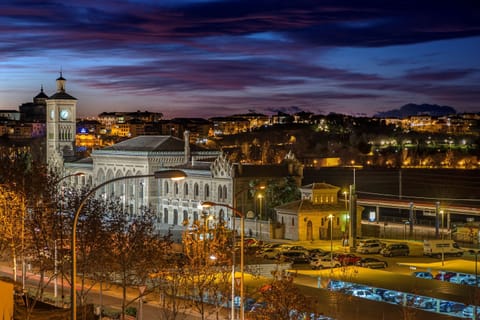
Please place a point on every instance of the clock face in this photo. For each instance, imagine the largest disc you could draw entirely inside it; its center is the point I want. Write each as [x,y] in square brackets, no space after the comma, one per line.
[64,114]
[52,114]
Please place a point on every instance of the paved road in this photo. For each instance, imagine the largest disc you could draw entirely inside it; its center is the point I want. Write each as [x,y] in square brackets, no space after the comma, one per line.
[111,298]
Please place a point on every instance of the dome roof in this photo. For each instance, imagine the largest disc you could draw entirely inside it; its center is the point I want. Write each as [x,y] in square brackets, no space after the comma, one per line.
[41,95]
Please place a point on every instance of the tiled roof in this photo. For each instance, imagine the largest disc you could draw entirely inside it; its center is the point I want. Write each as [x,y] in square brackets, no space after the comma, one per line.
[307,205]
[320,186]
[62,95]
[151,143]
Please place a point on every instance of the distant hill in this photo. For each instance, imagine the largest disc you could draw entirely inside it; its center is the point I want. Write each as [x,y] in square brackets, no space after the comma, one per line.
[412,109]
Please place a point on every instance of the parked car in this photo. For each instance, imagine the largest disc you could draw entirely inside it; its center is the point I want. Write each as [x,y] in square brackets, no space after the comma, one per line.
[425,303]
[370,248]
[324,262]
[392,296]
[293,257]
[336,285]
[364,242]
[268,253]
[444,276]
[316,252]
[347,258]
[372,263]
[451,306]
[252,242]
[364,293]
[468,312]
[395,249]
[461,278]
[271,245]
[423,275]
[288,247]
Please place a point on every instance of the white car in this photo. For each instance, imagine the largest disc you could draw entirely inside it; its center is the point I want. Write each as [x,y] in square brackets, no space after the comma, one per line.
[363,293]
[369,248]
[267,253]
[462,278]
[324,262]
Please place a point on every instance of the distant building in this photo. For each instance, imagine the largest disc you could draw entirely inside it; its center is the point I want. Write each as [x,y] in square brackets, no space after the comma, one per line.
[229,125]
[308,218]
[9,115]
[34,111]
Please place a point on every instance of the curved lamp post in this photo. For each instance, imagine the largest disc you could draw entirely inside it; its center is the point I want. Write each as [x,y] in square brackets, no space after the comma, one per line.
[55,284]
[330,217]
[475,253]
[208,204]
[77,174]
[165,174]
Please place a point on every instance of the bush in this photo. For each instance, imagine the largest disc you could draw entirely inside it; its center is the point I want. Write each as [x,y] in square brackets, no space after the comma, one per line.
[131,311]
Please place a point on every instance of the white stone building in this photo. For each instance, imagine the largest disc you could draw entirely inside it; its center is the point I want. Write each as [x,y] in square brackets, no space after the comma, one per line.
[210,175]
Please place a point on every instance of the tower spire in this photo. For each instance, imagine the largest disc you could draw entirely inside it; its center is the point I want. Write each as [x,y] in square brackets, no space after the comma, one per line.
[61,82]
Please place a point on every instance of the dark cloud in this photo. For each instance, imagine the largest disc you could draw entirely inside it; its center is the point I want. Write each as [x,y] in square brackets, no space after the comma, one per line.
[256,54]
[427,74]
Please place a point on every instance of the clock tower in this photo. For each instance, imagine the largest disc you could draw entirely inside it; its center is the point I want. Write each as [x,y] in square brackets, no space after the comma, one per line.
[61,125]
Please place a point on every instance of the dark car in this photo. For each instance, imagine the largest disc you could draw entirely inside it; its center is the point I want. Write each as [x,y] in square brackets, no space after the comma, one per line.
[451,306]
[316,252]
[395,249]
[372,263]
[293,257]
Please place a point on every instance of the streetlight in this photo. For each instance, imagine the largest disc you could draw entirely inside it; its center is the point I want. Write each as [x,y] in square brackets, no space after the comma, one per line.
[55,264]
[330,217]
[475,252]
[236,212]
[235,196]
[443,253]
[165,174]
[76,174]
[347,221]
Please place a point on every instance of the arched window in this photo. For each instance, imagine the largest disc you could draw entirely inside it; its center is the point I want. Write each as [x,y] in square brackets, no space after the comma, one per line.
[185,189]
[195,189]
[293,222]
[175,188]
[165,187]
[185,217]
[195,216]
[219,192]
[207,191]
[165,215]
[225,192]
[175,217]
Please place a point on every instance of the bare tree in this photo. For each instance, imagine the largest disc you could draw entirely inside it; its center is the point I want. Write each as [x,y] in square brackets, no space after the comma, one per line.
[208,253]
[282,300]
[133,246]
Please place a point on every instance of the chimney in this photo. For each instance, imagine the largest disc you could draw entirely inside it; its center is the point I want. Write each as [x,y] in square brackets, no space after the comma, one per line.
[186,137]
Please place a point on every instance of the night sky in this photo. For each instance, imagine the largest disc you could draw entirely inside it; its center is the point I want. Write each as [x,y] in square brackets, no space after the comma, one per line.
[194,58]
